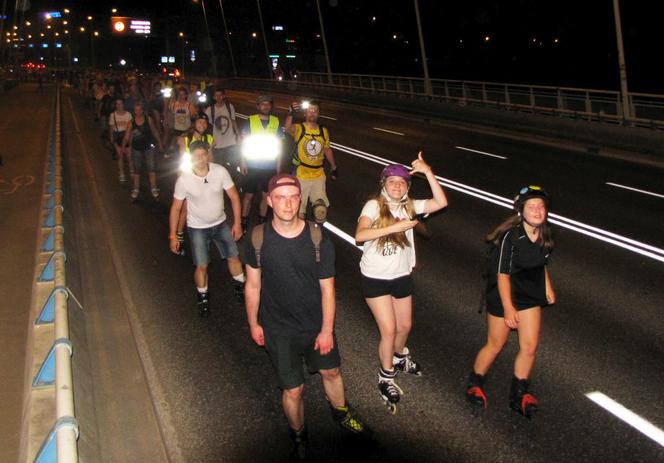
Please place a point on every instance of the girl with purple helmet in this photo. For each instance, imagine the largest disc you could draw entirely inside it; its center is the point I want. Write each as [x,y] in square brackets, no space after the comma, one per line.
[386,227]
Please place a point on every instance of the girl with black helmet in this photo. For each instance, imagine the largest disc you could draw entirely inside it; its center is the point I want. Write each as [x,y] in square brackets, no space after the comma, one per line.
[518,286]
[385,227]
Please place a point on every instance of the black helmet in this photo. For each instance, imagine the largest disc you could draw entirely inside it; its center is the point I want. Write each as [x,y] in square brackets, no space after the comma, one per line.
[529,192]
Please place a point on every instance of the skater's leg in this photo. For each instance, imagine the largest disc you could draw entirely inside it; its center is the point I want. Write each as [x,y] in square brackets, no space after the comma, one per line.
[383,312]
[201,276]
[497,334]
[294,406]
[403,313]
[334,386]
[529,334]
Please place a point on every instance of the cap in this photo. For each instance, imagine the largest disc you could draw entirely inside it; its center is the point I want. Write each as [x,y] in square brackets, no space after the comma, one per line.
[263,99]
[283,180]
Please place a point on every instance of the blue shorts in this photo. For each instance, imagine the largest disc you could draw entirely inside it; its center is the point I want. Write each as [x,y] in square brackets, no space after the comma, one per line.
[201,238]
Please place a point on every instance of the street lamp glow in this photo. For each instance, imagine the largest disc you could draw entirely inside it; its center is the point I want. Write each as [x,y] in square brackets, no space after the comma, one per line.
[29,36]
[96,34]
[66,11]
[47,16]
[66,31]
[15,27]
[114,10]
[82,29]
[89,18]
[122,62]
[254,35]
[41,34]
[487,38]
[28,23]
[48,26]
[65,22]
[57,34]
[181,34]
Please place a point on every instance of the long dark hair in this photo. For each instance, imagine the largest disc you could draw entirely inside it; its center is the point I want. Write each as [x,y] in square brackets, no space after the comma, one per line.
[545,239]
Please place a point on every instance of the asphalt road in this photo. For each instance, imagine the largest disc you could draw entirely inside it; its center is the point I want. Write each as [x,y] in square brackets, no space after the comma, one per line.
[215,392]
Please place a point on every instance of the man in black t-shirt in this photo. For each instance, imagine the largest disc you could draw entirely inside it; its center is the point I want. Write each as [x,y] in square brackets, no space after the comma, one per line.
[290,302]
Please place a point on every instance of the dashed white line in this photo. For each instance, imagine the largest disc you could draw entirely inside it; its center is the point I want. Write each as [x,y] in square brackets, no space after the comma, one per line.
[628,416]
[388,131]
[480,152]
[617,185]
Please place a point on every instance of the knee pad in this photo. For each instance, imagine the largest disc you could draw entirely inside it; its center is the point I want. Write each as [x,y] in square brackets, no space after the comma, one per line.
[319,210]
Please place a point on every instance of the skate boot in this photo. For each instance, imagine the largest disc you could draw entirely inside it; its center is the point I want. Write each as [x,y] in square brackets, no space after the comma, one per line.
[180,237]
[405,363]
[134,195]
[300,441]
[155,193]
[389,390]
[238,288]
[245,225]
[521,400]
[204,304]
[475,392]
[346,418]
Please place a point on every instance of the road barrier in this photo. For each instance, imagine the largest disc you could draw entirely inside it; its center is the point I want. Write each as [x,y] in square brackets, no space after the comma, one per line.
[50,405]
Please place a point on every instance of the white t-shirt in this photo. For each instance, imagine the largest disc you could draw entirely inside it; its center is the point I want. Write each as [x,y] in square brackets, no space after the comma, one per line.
[391,261]
[119,122]
[222,124]
[204,195]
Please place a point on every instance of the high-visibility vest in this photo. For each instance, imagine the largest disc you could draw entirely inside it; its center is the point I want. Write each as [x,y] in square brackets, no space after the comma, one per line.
[256,125]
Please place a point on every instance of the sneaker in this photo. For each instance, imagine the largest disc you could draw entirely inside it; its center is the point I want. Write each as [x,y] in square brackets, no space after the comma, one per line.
[204,304]
[122,178]
[346,418]
[300,440]
[405,363]
[238,288]
[155,193]
[134,194]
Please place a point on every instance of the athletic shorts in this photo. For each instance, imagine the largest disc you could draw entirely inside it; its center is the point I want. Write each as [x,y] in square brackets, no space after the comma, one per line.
[257,179]
[201,238]
[398,288]
[118,137]
[287,354]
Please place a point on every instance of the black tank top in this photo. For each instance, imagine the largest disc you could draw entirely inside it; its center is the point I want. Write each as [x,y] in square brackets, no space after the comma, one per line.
[141,136]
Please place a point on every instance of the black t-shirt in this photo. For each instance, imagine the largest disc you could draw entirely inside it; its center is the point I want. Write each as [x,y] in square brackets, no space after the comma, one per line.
[524,262]
[290,301]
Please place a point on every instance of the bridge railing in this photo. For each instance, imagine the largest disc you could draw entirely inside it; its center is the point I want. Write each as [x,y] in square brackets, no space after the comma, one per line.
[52,429]
[581,103]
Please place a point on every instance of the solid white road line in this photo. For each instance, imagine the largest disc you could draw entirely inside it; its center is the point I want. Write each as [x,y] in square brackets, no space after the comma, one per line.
[341,234]
[638,247]
[328,117]
[635,189]
[480,152]
[388,131]
[628,416]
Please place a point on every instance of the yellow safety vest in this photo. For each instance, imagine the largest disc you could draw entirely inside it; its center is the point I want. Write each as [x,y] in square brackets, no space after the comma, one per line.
[189,140]
[256,125]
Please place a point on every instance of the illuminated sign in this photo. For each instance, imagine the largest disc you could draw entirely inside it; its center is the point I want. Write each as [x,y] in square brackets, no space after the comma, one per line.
[44,45]
[123,25]
[277,28]
[164,59]
[52,14]
[171,59]
[192,56]
[140,26]
[119,24]
[58,45]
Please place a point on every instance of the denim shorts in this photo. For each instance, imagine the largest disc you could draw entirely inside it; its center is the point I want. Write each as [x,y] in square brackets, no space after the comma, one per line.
[140,157]
[201,238]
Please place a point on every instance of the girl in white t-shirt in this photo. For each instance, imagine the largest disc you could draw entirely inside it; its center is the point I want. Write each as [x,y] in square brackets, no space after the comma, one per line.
[118,122]
[385,227]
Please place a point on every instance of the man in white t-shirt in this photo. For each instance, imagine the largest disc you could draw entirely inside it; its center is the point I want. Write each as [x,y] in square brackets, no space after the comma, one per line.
[203,188]
[225,133]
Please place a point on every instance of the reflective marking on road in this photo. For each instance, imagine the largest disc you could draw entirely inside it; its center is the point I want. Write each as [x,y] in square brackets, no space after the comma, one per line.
[635,189]
[388,131]
[480,152]
[638,247]
[628,416]
[328,117]
[241,116]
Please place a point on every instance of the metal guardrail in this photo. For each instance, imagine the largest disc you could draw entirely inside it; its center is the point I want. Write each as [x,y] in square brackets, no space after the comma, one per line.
[591,104]
[59,445]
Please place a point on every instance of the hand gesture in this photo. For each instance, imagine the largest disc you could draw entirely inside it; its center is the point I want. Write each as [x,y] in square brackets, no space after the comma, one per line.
[420,166]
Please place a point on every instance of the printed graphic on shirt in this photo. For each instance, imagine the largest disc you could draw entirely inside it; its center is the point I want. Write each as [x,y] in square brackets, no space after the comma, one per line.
[389,249]
[313,149]
[222,124]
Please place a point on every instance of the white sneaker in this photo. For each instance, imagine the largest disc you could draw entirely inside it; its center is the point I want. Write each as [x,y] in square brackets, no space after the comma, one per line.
[134,194]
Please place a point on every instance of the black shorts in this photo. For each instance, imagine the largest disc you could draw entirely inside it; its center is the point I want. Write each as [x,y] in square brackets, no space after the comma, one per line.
[118,137]
[257,179]
[398,288]
[287,353]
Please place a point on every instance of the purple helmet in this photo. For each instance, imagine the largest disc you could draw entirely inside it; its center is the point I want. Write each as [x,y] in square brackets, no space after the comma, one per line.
[395,170]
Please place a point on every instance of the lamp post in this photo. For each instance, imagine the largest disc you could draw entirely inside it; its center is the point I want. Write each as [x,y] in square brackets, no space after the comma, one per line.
[267,53]
[228,39]
[425,64]
[207,30]
[322,34]
[626,110]
[182,39]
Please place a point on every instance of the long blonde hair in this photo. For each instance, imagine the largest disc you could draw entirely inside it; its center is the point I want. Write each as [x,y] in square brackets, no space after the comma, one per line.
[385,219]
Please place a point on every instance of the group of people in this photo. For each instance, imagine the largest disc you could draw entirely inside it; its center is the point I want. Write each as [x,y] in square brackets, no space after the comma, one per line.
[288,279]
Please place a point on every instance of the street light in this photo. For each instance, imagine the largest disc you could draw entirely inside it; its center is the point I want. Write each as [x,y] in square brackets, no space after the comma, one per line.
[228,39]
[89,18]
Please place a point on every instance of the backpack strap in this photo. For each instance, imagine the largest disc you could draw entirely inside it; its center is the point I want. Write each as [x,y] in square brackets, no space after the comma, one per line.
[257,237]
[316,238]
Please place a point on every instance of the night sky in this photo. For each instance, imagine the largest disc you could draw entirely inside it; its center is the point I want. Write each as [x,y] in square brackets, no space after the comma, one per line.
[567,43]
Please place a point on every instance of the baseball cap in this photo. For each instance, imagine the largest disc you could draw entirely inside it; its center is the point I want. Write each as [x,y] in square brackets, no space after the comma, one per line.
[283,180]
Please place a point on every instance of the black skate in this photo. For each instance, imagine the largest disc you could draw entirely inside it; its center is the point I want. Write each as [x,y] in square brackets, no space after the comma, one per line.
[300,447]
[390,392]
[521,400]
[405,363]
[347,419]
[238,289]
[203,305]
[475,392]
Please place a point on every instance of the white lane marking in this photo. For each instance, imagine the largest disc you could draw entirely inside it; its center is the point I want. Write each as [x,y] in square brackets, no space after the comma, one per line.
[388,131]
[635,189]
[480,152]
[638,247]
[341,234]
[328,117]
[628,416]
[241,116]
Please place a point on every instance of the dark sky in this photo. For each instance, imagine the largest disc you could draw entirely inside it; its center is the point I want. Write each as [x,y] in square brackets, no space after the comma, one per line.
[570,43]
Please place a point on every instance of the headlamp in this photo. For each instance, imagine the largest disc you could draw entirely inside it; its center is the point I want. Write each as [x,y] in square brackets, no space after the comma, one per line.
[263,147]
[305,105]
[167,91]
[202,98]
